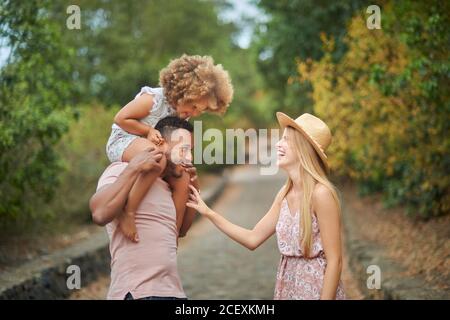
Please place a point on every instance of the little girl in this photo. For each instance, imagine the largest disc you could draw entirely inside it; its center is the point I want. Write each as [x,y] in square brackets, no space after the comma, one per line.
[190,85]
[305,215]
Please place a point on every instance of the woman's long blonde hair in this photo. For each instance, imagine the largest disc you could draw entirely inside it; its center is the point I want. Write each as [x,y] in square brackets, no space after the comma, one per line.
[312,171]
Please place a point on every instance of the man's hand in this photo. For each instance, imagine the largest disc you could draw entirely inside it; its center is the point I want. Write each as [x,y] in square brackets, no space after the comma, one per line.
[179,183]
[147,160]
[191,170]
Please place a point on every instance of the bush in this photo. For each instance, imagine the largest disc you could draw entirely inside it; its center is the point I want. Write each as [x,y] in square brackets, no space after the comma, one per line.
[387,105]
[83,155]
[81,160]
[35,91]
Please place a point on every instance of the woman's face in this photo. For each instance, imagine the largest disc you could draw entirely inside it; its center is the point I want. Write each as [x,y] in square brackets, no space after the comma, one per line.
[192,109]
[285,155]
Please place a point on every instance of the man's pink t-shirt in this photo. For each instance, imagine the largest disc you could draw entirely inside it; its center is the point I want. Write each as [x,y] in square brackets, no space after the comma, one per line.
[149,267]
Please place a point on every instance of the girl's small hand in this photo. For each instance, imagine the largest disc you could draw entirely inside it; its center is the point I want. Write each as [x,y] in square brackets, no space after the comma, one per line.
[196,202]
[155,137]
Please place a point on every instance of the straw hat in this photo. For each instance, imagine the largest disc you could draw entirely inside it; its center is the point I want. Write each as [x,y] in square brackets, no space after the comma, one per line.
[314,129]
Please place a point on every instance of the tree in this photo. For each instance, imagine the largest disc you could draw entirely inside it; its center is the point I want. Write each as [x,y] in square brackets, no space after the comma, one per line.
[122,45]
[53,71]
[35,91]
[293,32]
[387,105]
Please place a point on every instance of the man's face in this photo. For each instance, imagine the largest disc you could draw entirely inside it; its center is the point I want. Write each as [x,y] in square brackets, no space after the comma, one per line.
[179,147]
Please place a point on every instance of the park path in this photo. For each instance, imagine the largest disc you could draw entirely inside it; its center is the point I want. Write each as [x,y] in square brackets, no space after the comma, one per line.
[211,265]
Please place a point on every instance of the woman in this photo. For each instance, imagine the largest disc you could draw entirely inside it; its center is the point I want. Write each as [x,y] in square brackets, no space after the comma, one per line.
[305,215]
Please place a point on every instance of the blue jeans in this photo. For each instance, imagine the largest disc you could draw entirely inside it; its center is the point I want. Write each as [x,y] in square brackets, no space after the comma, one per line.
[130,297]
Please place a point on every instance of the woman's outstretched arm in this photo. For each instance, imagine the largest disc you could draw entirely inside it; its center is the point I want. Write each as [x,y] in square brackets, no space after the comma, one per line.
[250,239]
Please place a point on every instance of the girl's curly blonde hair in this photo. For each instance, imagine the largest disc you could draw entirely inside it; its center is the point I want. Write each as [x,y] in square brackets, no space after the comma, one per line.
[190,78]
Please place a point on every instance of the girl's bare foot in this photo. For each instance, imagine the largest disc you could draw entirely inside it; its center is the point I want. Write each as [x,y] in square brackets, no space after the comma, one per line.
[127,225]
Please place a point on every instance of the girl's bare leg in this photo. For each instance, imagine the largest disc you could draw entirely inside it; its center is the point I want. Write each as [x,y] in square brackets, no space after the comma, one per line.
[140,188]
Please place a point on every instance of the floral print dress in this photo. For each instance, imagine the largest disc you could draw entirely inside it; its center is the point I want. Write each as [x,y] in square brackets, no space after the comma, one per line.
[299,278]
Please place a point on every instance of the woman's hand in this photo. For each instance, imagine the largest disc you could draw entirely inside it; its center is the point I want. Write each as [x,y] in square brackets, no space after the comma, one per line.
[197,203]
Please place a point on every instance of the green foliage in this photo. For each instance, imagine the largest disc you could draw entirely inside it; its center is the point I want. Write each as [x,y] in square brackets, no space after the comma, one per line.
[365,83]
[35,91]
[83,159]
[424,179]
[55,73]
[293,32]
[122,45]
[388,106]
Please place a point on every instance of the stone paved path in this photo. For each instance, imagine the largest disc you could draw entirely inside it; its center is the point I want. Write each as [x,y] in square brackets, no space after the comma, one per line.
[213,266]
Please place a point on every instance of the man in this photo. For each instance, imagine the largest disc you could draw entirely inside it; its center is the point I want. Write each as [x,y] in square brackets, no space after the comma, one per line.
[148,269]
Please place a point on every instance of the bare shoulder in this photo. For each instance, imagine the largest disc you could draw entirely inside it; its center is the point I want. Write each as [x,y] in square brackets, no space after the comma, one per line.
[322,198]
[136,108]
[145,99]
[321,192]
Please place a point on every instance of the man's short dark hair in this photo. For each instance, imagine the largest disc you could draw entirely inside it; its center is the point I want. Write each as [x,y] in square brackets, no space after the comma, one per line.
[168,125]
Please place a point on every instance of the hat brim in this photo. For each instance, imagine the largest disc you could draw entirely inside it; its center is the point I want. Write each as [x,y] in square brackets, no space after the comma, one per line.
[286,121]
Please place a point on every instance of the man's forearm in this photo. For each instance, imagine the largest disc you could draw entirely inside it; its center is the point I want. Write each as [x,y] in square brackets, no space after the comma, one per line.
[109,202]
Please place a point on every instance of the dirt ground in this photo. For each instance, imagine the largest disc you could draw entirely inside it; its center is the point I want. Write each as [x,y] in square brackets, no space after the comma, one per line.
[421,247]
